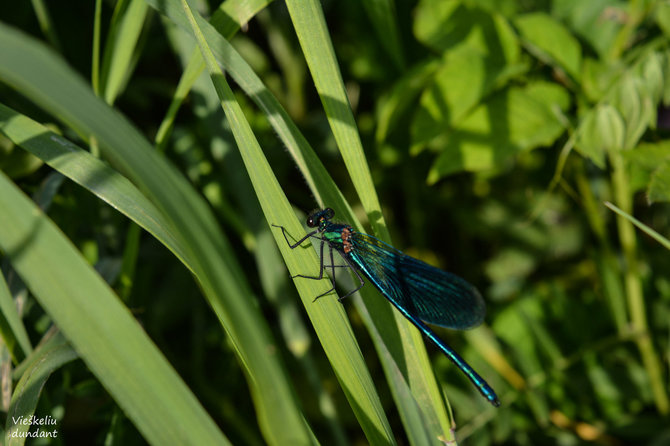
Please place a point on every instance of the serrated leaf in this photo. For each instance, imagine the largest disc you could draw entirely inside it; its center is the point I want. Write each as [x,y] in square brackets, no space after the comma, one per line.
[597,77]
[596,21]
[464,79]
[550,94]
[510,121]
[659,186]
[430,20]
[600,130]
[643,160]
[649,155]
[651,72]
[446,25]
[458,85]
[633,101]
[551,41]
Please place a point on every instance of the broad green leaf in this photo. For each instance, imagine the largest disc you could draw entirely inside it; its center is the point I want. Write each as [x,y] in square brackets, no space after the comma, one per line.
[444,25]
[659,186]
[553,96]
[662,17]
[597,77]
[644,160]
[429,23]
[596,21]
[479,58]
[634,103]
[549,40]
[650,70]
[462,82]
[484,141]
[649,155]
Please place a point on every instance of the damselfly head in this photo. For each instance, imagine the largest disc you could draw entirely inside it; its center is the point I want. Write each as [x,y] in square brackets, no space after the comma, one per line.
[317,217]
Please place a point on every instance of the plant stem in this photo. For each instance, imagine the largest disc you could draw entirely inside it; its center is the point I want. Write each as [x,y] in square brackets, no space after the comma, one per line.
[606,259]
[633,284]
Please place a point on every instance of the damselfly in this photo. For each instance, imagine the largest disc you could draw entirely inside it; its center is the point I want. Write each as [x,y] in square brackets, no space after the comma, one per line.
[422,293]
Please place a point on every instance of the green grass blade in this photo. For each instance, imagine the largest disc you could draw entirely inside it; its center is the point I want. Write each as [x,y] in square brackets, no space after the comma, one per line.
[36,73]
[227,19]
[95,50]
[122,39]
[410,351]
[46,359]
[383,17]
[316,176]
[100,328]
[46,24]
[329,320]
[641,226]
[91,173]
[312,32]
[13,332]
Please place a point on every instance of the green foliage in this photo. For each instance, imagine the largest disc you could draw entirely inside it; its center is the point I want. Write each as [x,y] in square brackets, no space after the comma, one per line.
[521,145]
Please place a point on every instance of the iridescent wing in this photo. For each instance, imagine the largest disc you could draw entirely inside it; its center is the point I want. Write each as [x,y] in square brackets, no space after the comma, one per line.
[432,295]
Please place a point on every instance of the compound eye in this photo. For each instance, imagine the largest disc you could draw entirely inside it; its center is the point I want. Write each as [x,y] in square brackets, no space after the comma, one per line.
[328,213]
[310,221]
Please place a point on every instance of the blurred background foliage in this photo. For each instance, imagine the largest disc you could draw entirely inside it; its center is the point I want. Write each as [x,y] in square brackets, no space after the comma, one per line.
[495,131]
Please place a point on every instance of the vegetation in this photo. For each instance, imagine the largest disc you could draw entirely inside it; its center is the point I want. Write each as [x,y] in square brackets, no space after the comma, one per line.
[148,146]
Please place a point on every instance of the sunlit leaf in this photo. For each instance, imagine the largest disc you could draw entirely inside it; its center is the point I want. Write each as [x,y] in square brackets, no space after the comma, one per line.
[509,122]
[551,41]
[595,21]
